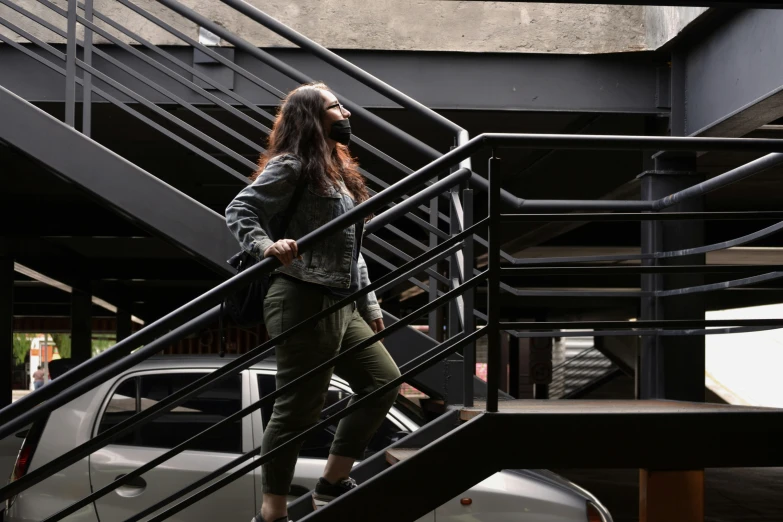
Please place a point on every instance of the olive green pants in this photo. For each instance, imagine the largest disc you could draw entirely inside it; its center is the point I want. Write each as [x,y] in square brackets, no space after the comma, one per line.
[287,303]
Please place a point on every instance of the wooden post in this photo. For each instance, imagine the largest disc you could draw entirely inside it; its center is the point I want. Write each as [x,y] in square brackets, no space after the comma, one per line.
[671,496]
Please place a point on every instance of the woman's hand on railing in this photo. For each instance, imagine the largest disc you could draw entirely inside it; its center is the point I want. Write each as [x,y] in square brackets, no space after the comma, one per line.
[285,250]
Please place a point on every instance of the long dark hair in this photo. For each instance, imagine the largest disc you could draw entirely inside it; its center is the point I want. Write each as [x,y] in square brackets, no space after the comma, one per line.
[298,130]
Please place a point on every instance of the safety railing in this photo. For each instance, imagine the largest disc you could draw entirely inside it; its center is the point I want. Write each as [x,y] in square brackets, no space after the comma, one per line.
[72,386]
[454,245]
[153,62]
[161,61]
[112,362]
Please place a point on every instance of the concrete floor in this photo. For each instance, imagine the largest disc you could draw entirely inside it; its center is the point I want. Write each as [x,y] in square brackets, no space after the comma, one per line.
[731,495]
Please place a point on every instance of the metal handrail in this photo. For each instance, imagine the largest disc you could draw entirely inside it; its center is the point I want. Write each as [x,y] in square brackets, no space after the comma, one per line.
[460,155]
[435,355]
[194,389]
[348,68]
[92,27]
[200,385]
[111,98]
[266,58]
[462,136]
[89,26]
[9,421]
[560,141]
[658,255]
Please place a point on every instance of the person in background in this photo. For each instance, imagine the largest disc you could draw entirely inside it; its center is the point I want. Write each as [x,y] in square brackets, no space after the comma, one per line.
[38,377]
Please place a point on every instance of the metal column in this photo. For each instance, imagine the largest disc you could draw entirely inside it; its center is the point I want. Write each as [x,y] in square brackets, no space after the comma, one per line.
[469,354]
[513,365]
[124,324]
[81,325]
[672,367]
[87,77]
[6,328]
[493,287]
[541,366]
[435,319]
[70,67]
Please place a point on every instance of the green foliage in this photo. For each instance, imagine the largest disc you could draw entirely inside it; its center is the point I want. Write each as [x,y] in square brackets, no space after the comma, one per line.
[21,347]
[63,343]
[99,345]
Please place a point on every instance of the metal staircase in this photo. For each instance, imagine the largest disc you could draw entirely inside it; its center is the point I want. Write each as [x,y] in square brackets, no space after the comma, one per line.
[582,369]
[619,433]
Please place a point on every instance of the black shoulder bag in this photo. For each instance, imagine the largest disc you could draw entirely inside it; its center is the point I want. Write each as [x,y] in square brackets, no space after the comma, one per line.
[246,306]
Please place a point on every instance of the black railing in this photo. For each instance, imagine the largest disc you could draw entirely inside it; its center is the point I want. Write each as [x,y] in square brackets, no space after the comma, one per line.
[460,279]
[494,325]
[173,68]
[169,65]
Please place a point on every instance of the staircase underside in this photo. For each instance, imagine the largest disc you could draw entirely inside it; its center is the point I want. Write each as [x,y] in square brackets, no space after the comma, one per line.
[532,434]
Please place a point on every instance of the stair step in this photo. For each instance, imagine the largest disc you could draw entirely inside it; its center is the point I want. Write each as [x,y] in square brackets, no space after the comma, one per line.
[395,455]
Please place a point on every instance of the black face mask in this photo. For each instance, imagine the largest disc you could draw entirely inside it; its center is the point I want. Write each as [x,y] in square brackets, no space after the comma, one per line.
[341,131]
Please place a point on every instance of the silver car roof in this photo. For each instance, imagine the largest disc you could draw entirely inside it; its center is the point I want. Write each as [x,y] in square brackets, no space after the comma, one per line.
[196,361]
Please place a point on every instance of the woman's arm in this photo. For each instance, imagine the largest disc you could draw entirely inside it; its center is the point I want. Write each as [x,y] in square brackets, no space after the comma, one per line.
[368,305]
[248,216]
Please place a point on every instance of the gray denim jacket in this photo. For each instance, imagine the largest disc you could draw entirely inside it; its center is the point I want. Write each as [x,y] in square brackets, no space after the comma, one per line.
[260,206]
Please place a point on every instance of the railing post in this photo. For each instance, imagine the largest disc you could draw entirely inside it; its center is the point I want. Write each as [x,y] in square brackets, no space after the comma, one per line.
[70,66]
[453,319]
[513,365]
[87,77]
[493,287]
[435,321]
[469,354]
[454,271]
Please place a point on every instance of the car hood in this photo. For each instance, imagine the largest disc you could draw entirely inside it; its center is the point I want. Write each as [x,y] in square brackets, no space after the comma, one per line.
[544,475]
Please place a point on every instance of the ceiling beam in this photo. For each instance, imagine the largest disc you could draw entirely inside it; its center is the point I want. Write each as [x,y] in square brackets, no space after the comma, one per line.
[727,86]
[600,83]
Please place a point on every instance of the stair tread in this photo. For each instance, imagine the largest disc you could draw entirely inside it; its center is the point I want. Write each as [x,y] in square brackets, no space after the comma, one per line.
[395,455]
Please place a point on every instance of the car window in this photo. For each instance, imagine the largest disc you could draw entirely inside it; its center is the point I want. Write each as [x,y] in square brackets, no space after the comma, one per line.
[317,446]
[183,422]
[121,407]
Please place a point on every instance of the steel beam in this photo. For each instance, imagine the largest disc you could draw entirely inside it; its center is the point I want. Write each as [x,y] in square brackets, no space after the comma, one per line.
[621,434]
[672,367]
[477,81]
[729,87]
[118,183]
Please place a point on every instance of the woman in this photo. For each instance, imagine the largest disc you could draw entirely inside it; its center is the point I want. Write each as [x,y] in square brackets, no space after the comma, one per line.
[308,151]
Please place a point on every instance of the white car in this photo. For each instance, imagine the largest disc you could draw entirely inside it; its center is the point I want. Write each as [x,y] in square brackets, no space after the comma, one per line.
[510,495]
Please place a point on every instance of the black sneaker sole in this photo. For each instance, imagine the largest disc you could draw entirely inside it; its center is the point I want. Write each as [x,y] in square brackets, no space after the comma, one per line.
[320,501]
